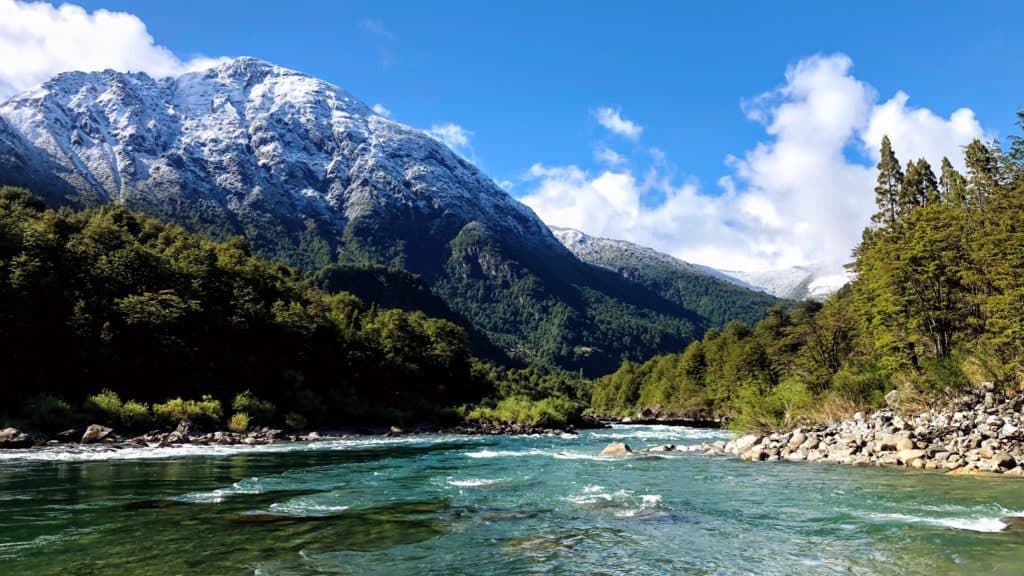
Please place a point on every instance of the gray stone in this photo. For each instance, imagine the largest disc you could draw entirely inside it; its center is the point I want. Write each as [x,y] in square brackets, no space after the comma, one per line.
[96,433]
[616,449]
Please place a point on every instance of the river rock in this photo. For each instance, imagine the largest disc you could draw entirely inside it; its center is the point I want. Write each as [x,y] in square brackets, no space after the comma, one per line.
[616,449]
[908,456]
[14,438]
[96,433]
[904,444]
[797,440]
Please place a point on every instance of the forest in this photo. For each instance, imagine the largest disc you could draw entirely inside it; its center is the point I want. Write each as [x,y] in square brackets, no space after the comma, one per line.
[936,304]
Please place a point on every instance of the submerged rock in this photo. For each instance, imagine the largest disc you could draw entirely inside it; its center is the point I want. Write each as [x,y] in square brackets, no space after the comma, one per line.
[616,449]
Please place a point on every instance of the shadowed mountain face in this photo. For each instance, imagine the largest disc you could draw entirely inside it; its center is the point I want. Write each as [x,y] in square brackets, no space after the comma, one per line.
[311,176]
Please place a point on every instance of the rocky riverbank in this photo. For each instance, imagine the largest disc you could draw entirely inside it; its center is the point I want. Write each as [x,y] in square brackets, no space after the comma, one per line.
[979,432]
[187,433]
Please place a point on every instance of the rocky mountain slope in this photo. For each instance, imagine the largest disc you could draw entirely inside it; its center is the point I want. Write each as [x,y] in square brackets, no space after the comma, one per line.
[310,175]
[795,283]
[699,288]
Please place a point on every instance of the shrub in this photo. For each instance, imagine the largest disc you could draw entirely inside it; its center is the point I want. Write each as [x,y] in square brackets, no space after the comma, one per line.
[780,407]
[49,412]
[259,411]
[294,421]
[203,412]
[239,422]
[107,408]
[553,412]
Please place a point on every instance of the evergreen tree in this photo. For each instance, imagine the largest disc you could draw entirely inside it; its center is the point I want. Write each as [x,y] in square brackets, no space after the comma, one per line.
[887,192]
[952,184]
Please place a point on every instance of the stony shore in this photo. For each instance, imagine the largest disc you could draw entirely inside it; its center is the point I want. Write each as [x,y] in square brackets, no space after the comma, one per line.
[188,434]
[979,432]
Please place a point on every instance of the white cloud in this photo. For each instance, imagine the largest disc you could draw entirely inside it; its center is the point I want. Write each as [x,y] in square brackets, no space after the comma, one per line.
[795,198]
[453,136]
[380,110]
[614,122]
[606,155]
[920,133]
[39,40]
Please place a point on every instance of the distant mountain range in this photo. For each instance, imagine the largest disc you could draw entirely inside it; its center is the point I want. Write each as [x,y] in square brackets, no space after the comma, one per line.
[311,176]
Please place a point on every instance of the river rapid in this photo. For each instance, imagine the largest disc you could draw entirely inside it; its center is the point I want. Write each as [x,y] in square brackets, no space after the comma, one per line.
[491,505]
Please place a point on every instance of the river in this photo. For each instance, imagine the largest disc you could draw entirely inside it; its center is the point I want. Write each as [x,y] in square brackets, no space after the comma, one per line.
[491,505]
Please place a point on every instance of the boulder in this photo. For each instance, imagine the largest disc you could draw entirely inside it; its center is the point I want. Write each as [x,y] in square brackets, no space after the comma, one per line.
[904,444]
[96,433]
[616,449]
[744,443]
[908,456]
[797,440]
[14,438]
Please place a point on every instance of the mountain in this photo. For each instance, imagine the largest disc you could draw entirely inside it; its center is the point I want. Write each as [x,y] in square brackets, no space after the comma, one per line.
[311,176]
[795,283]
[699,288]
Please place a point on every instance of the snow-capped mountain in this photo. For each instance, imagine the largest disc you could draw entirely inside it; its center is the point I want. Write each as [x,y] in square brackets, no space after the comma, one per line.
[630,260]
[310,175]
[705,290]
[242,147]
[796,283]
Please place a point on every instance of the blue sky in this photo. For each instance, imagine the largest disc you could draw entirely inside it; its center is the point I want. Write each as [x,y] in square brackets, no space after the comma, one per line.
[526,84]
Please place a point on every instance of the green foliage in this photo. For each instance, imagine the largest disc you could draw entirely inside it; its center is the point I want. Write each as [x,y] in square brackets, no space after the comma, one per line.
[239,422]
[108,409]
[938,294]
[260,411]
[548,412]
[294,421]
[49,412]
[155,313]
[205,412]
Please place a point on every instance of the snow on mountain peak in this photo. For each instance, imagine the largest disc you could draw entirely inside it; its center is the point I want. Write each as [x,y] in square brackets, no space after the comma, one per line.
[244,140]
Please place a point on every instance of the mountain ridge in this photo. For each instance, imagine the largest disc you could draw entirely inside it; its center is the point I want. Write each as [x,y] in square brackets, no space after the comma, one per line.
[311,176]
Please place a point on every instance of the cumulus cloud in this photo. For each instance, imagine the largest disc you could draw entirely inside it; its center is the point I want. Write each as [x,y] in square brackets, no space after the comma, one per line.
[801,196]
[39,40]
[380,110]
[453,136]
[616,124]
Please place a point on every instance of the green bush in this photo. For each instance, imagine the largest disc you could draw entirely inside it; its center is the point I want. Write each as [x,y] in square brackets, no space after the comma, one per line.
[294,421]
[106,408]
[777,408]
[257,410]
[551,412]
[203,412]
[239,422]
[50,413]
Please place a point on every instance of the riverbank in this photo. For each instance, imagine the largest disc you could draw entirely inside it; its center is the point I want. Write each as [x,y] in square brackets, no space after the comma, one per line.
[186,433]
[979,432]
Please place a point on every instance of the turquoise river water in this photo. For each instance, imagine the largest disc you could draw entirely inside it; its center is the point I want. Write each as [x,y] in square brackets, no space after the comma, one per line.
[491,505]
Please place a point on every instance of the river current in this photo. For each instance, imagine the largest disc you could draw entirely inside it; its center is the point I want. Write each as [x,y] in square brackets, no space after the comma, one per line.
[491,505]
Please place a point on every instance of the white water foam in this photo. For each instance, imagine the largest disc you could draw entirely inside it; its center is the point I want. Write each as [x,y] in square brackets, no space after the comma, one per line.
[659,432]
[103,453]
[971,524]
[471,483]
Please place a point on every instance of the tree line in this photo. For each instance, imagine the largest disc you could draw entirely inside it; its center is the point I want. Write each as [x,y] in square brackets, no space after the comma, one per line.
[936,303]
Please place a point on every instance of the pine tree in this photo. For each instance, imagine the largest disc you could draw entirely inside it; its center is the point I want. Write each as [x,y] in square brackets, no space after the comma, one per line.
[919,186]
[952,184]
[887,192]
[982,172]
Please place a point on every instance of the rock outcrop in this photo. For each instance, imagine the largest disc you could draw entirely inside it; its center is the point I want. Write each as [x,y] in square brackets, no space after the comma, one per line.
[616,449]
[979,432]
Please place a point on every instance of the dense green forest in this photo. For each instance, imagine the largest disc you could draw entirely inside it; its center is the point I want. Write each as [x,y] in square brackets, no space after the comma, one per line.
[937,303]
[140,323]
